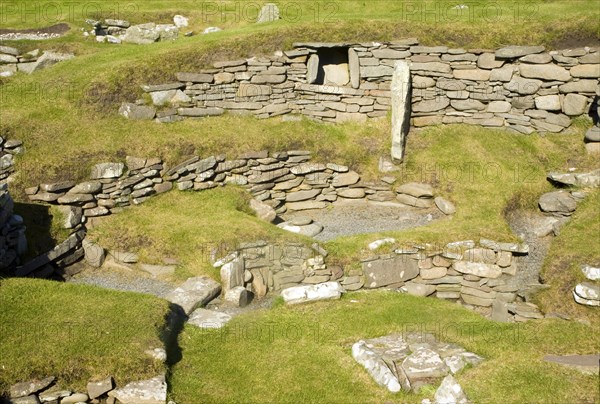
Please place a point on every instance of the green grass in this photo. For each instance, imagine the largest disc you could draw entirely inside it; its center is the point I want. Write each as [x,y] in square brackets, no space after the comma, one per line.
[485,173]
[538,21]
[76,333]
[83,332]
[302,354]
[188,226]
[576,245]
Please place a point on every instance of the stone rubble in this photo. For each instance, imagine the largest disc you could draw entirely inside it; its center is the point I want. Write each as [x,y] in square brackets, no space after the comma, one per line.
[118,31]
[152,391]
[409,362]
[12,61]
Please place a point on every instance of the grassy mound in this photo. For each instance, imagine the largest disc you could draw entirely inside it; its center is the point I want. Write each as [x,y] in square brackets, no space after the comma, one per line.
[76,333]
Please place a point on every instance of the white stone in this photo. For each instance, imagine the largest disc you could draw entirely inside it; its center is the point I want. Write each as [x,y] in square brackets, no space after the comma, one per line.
[208,319]
[376,366]
[210,30]
[548,102]
[158,354]
[180,21]
[238,296]
[152,391]
[268,13]
[450,392]
[160,98]
[456,363]
[194,292]
[113,39]
[228,258]
[592,273]
[232,274]
[588,291]
[337,75]
[378,243]
[309,293]
[478,269]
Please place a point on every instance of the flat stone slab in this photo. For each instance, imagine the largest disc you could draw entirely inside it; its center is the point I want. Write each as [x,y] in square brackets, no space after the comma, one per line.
[583,363]
[27,388]
[152,391]
[310,230]
[208,319]
[194,292]
[311,293]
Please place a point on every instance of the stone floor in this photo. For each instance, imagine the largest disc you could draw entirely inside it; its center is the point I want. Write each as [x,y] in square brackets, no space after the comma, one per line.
[589,364]
[350,217]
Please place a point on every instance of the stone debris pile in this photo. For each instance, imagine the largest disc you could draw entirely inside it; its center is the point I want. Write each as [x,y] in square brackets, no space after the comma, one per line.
[412,361]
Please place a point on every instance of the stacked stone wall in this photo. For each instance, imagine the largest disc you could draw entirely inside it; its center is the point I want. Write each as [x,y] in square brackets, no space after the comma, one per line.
[522,88]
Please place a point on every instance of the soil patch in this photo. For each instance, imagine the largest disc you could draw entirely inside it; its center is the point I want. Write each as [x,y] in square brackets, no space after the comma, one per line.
[59,29]
[53,31]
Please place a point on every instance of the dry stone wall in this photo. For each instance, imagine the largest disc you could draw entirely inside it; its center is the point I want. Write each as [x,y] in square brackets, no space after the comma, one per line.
[476,274]
[12,60]
[523,88]
[279,182]
[12,230]
[283,180]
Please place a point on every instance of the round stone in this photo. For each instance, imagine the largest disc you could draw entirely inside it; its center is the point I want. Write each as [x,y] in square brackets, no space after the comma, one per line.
[301,221]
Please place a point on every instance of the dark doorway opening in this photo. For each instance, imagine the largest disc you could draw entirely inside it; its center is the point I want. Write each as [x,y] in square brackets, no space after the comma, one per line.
[333,66]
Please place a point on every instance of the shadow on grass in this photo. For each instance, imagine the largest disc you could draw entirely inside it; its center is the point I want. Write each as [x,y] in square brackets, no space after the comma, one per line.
[175,321]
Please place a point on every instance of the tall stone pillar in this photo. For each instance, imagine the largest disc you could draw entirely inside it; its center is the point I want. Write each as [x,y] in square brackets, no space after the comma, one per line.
[401,103]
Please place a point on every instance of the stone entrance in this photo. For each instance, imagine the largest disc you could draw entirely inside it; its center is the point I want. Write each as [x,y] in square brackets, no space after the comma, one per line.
[329,66]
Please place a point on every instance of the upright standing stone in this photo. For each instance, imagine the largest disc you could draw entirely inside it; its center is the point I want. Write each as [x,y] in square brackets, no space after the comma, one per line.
[400,108]
[312,69]
[354,66]
[269,12]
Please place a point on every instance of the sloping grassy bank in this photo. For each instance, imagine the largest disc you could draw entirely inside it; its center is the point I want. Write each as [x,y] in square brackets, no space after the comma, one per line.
[76,333]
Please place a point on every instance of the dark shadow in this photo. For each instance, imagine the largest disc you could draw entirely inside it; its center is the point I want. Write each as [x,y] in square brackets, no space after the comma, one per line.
[330,56]
[593,112]
[38,223]
[176,318]
[278,220]
[175,321]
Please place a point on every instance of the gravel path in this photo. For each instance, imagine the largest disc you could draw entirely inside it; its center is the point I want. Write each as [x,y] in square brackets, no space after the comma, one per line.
[359,217]
[119,280]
